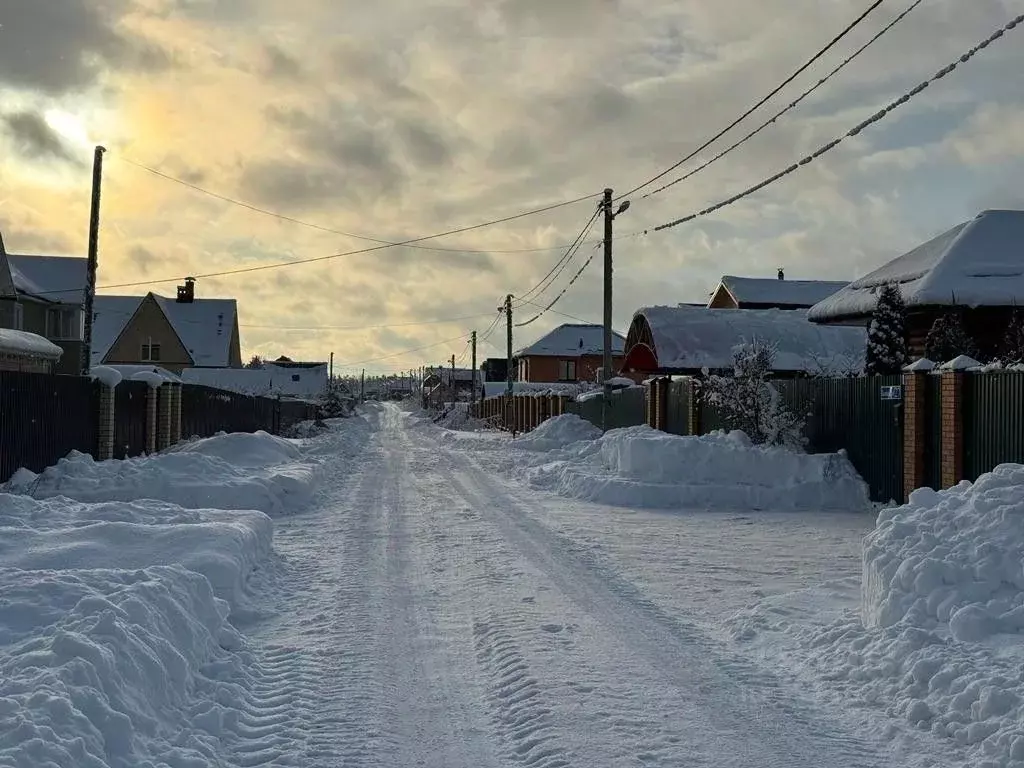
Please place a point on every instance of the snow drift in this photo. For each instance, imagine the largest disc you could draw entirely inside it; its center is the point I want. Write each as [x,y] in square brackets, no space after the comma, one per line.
[642,467]
[236,471]
[937,638]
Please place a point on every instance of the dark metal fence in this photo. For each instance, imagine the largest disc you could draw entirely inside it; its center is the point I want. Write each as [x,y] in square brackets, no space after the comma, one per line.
[993,421]
[933,432]
[626,409]
[43,418]
[205,411]
[130,419]
[677,407]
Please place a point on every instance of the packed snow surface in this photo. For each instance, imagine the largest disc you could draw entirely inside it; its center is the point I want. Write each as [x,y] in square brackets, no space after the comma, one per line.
[642,467]
[30,344]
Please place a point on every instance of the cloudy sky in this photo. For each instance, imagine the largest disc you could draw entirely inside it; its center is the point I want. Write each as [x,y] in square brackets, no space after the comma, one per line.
[398,118]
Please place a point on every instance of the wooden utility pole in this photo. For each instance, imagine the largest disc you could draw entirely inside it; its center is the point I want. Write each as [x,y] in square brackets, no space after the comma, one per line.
[330,370]
[93,263]
[452,382]
[508,354]
[362,386]
[606,367]
[472,396]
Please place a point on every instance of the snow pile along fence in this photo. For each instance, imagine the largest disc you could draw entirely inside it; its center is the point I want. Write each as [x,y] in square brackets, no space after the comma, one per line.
[642,467]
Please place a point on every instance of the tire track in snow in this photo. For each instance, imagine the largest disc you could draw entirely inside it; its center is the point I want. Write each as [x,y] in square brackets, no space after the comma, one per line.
[520,714]
[739,715]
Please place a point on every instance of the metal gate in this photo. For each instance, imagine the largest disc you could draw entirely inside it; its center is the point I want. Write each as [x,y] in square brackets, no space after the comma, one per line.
[130,418]
[993,421]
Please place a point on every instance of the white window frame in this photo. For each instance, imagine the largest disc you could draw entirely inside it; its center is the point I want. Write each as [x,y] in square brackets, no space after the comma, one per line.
[146,353]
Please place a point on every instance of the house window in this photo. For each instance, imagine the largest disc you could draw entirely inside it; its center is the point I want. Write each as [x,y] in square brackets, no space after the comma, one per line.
[64,323]
[567,370]
[296,377]
[151,352]
[19,317]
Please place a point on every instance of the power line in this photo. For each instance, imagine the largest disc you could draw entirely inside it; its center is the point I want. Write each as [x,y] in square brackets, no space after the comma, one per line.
[322,228]
[849,28]
[893,105]
[791,105]
[561,293]
[561,264]
[563,314]
[403,352]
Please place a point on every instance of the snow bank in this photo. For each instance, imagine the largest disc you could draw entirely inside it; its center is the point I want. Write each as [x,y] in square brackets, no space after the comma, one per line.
[951,557]
[234,471]
[642,467]
[558,432]
[938,639]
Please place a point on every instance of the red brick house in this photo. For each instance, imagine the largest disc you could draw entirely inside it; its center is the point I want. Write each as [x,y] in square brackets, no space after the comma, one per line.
[569,353]
[975,269]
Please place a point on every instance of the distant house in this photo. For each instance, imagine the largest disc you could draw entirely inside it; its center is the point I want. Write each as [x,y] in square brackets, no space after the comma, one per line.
[569,353]
[44,295]
[764,293]
[495,369]
[976,268]
[685,340]
[179,333]
[442,385]
[307,381]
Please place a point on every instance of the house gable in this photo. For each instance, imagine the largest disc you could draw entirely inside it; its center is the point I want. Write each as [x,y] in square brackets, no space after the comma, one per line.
[148,325]
[7,289]
[722,299]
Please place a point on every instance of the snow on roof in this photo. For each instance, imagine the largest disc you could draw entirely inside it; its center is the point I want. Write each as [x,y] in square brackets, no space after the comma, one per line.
[204,327]
[496,388]
[977,263]
[110,315]
[790,293]
[572,340]
[691,338]
[60,279]
[445,374]
[268,381]
[28,345]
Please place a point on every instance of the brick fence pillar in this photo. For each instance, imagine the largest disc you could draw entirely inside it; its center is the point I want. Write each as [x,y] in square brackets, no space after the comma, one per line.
[915,421]
[693,418]
[175,413]
[952,388]
[163,424]
[151,419]
[105,424]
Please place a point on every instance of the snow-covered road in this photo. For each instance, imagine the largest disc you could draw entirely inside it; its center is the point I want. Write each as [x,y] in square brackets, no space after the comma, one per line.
[428,612]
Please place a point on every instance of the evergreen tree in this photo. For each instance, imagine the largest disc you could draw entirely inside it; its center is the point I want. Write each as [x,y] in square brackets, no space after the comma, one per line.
[1012,351]
[887,346]
[948,339]
[255,362]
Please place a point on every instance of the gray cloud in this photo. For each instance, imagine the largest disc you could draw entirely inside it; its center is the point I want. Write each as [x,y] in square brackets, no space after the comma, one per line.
[280,64]
[33,137]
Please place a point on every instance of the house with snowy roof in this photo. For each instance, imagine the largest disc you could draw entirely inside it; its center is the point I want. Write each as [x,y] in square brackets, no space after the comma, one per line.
[572,352]
[44,295]
[183,332]
[975,269]
[735,292]
[685,340]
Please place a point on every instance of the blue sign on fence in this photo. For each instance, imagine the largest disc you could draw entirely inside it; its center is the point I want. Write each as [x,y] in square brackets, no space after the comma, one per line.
[892,393]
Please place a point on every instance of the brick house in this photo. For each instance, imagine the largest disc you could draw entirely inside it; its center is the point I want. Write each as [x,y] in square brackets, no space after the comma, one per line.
[179,333]
[43,295]
[975,269]
[764,293]
[569,353]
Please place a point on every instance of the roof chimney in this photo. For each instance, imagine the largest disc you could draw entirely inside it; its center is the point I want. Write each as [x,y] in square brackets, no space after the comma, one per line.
[187,292]
[782,275]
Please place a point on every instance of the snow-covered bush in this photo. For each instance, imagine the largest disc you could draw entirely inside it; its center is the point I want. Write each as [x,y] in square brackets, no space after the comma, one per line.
[336,402]
[748,401]
[948,339]
[887,346]
[1011,351]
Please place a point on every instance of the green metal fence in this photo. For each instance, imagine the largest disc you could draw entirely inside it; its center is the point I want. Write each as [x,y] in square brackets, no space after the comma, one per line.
[933,432]
[626,409]
[993,421]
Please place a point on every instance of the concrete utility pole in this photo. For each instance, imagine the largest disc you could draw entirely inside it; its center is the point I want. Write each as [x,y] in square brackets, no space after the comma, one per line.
[606,368]
[472,396]
[93,262]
